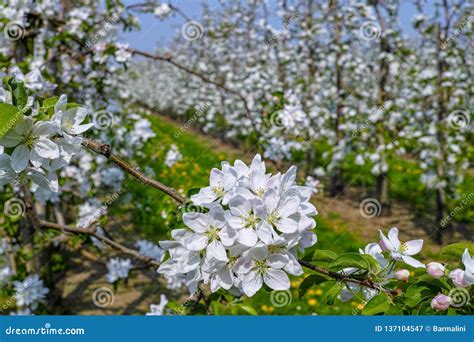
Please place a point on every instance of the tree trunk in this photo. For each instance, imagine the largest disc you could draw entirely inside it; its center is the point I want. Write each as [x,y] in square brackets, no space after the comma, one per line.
[336,182]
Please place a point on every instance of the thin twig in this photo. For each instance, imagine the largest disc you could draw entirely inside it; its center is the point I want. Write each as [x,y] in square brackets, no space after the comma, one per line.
[344,278]
[104,149]
[169,58]
[106,240]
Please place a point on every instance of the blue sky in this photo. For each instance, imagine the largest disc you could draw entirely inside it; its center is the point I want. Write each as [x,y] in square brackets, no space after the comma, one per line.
[155,33]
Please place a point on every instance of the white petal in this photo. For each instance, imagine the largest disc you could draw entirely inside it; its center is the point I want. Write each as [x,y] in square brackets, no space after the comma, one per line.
[393,237]
[413,247]
[266,232]
[44,129]
[468,261]
[61,104]
[195,241]
[46,148]
[20,158]
[259,252]
[80,129]
[225,278]
[386,242]
[287,225]
[11,139]
[277,279]
[278,261]
[217,250]
[251,283]
[289,207]
[412,262]
[216,178]
[228,236]
[196,221]
[247,237]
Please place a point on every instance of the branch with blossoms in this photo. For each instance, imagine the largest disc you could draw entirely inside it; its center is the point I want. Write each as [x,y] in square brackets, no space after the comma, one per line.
[169,59]
[104,149]
[248,228]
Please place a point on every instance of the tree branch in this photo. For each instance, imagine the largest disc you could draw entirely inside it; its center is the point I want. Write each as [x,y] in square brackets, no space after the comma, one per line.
[92,232]
[344,278]
[169,58]
[104,149]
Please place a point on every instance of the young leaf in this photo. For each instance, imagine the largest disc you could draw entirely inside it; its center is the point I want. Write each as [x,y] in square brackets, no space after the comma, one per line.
[349,260]
[324,255]
[9,116]
[377,305]
[248,309]
[333,292]
[456,250]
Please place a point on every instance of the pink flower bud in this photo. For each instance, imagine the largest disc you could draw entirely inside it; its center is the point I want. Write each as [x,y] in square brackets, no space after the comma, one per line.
[402,275]
[457,276]
[435,269]
[440,302]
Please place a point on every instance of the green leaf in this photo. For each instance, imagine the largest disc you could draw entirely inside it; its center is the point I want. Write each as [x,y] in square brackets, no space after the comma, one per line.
[9,116]
[333,292]
[374,266]
[48,105]
[248,309]
[394,311]
[324,255]
[18,91]
[377,305]
[313,279]
[416,294]
[456,250]
[349,260]
[193,191]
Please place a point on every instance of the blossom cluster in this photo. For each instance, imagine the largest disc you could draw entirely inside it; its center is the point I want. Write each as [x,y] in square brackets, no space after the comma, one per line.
[395,250]
[29,293]
[460,278]
[248,229]
[36,149]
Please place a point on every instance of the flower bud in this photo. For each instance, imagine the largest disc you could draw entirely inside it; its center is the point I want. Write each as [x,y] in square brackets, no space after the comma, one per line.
[435,269]
[457,276]
[440,302]
[402,275]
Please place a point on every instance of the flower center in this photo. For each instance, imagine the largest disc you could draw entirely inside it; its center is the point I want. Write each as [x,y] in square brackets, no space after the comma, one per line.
[29,140]
[250,221]
[260,192]
[212,233]
[403,247]
[218,190]
[261,266]
[274,217]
